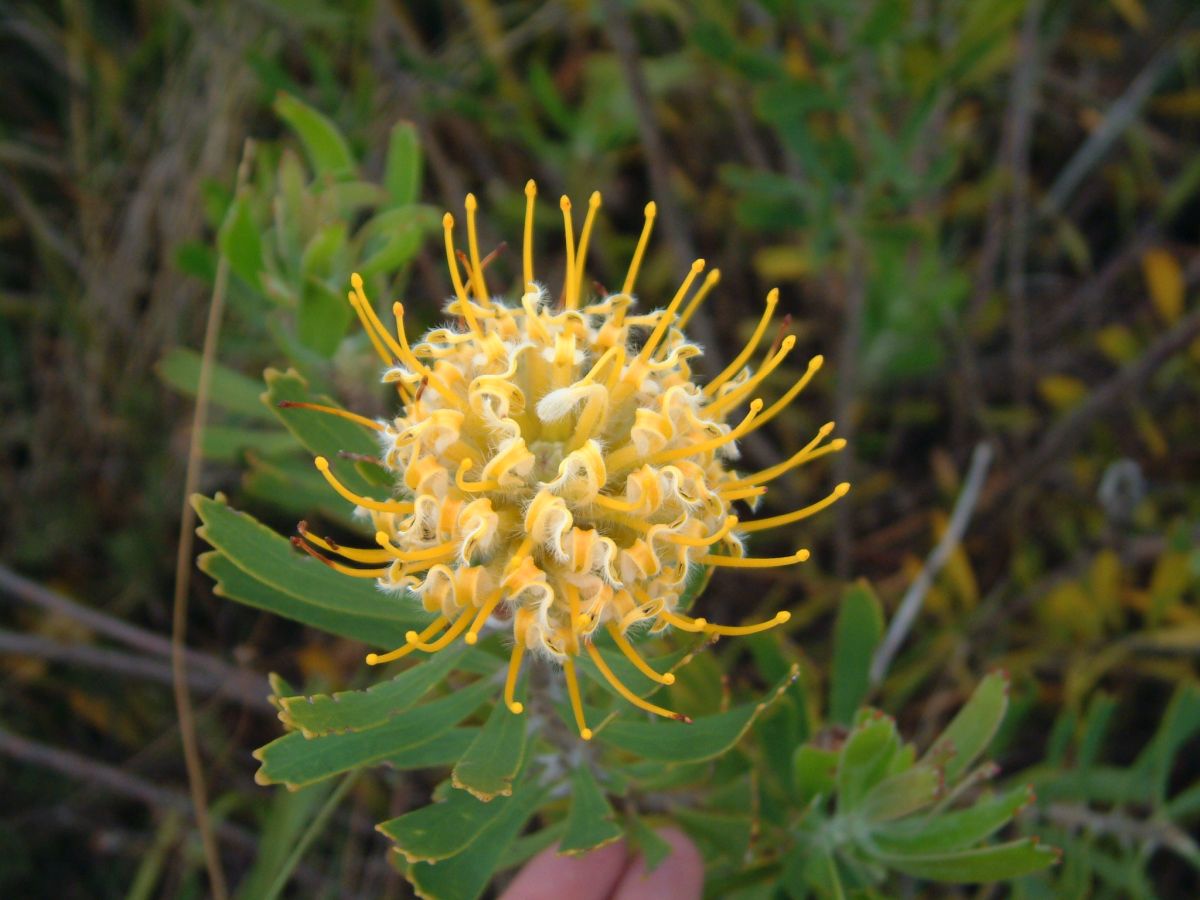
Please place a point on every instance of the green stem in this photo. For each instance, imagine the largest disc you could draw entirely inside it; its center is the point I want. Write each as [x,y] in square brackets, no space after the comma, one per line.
[310,834]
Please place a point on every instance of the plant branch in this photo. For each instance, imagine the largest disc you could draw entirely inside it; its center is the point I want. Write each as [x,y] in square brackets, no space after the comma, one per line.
[183,565]
[124,663]
[1119,117]
[1061,437]
[238,682]
[910,606]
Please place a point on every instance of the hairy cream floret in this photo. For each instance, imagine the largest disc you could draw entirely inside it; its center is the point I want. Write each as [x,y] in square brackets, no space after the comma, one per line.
[558,468]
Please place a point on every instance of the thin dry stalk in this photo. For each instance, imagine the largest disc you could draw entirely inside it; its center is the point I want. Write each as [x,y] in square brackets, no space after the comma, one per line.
[183,569]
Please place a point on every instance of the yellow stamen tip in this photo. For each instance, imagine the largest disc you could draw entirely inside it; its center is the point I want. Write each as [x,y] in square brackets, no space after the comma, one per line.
[757,404]
[788,342]
[356,280]
[698,266]
[531,188]
[802,555]
[651,209]
[586,734]
[838,444]
[517,707]
[594,200]
[471,638]
[782,616]
[372,659]
[411,637]
[471,204]
[668,678]
[816,362]
[447,221]
[842,489]
[564,203]
[321,463]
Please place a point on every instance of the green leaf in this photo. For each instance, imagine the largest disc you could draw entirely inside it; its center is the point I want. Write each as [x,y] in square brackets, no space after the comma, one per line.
[240,243]
[489,766]
[323,434]
[402,171]
[394,253]
[678,742]
[997,863]
[1180,722]
[465,876]
[227,442]
[970,732]
[625,671]
[236,584]
[296,760]
[720,835]
[441,830]
[816,771]
[440,750]
[323,317]
[902,794]
[288,815]
[358,710]
[864,761]
[590,820]
[954,830]
[651,846]
[530,845]
[322,250]
[326,147]
[859,629]
[230,390]
[293,486]
[269,558]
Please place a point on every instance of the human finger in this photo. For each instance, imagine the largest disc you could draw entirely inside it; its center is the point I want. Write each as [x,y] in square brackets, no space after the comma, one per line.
[549,876]
[680,876]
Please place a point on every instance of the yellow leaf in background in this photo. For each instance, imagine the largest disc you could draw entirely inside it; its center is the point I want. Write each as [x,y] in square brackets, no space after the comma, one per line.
[945,474]
[1097,44]
[1068,612]
[1168,583]
[315,659]
[1132,12]
[957,575]
[782,263]
[796,62]
[1164,281]
[1061,391]
[1184,104]
[1150,433]
[1090,119]
[93,710]
[1105,582]
[1073,243]
[1117,343]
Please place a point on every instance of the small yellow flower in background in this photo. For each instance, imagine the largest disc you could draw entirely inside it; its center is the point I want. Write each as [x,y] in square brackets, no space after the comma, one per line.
[555,473]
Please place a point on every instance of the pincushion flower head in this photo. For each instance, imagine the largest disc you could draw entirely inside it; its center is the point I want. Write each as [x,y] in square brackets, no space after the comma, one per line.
[559,469]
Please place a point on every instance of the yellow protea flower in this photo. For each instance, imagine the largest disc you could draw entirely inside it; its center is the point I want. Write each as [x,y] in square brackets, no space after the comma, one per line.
[558,475]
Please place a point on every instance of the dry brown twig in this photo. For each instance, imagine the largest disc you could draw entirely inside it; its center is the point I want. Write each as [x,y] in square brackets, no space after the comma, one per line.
[183,565]
[233,681]
[910,606]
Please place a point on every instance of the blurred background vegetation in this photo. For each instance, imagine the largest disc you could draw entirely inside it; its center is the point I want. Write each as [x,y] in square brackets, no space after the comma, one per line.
[984,213]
